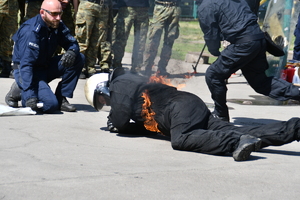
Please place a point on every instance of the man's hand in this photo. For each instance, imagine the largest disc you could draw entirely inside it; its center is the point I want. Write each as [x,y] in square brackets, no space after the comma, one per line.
[111,127]
[68,59]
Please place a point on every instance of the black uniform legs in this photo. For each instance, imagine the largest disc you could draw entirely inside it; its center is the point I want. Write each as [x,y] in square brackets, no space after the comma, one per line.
[251,59]
[218,90]
[222,137]
[274,134]
[205,141]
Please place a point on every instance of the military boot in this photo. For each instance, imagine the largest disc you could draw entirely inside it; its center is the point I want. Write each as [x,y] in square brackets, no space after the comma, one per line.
[13,96]
[246,145]
[66,106]
[6,70]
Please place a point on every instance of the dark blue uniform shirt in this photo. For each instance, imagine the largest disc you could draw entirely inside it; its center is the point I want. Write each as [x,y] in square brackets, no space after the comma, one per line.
[35,45]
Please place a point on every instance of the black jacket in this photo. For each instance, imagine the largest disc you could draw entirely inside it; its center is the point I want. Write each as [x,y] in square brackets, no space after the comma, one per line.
[225,20]
[171,107]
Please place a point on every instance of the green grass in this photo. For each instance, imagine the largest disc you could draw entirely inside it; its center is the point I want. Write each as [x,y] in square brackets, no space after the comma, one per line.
[190,40]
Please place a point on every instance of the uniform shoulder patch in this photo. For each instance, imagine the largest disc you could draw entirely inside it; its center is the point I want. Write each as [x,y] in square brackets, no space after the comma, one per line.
[37,28]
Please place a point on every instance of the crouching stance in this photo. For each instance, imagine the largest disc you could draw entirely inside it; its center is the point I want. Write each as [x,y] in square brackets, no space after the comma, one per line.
[35,64]
[181,115]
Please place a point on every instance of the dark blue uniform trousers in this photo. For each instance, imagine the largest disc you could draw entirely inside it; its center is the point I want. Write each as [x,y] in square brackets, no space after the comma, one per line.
[42,76]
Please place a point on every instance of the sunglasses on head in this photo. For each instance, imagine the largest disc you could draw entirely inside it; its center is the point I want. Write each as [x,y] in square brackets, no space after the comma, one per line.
[53,13]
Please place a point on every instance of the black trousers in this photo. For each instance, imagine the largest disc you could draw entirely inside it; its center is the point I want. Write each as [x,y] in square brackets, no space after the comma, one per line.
[195,129]
[250,57]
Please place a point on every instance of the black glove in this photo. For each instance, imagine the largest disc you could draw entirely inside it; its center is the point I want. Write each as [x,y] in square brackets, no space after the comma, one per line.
[32,103]
[215,53]
[213,47]
[68,59]
[111,127]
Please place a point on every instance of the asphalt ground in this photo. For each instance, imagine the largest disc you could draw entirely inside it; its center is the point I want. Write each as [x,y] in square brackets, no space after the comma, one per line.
[73,156]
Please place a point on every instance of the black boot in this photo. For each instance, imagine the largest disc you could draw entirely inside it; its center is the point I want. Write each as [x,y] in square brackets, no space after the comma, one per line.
[6,70]
[223,118]
[13,96]
[66,106]
[246,145]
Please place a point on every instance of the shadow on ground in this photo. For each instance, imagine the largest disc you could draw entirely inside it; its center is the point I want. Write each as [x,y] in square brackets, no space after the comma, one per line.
[84,107]
[263,100]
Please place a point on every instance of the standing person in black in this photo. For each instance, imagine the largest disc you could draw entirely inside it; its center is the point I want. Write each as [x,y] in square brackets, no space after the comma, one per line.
[254,5]
[296,50]
[182,116]
[234,22]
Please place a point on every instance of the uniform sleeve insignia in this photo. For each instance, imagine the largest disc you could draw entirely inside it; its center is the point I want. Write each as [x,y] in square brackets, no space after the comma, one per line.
[36,46]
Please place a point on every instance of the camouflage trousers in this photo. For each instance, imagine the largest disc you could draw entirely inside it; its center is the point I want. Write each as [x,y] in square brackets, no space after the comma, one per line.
[126,18]
[8,26]
[91,32]
[165,18]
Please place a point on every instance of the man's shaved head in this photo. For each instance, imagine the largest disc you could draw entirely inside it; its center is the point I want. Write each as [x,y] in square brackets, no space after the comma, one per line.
[52,5]
[51,12]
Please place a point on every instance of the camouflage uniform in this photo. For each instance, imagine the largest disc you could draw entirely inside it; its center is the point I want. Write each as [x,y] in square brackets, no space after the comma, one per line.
[112,30]
[165,18]
[91,29]
[137,15]
[105,51]
[8,26]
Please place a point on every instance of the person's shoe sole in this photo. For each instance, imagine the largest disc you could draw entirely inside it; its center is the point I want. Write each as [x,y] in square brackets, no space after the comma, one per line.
[243,152]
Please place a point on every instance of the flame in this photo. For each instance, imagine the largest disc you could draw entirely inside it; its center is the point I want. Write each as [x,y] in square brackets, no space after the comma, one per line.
[148,114]
[160,79]
[189,75]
